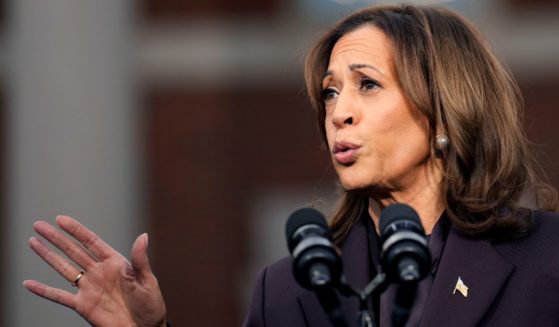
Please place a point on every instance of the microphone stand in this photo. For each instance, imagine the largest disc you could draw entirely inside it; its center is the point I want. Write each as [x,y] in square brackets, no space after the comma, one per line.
[366,317]
[403,303]
[331,304]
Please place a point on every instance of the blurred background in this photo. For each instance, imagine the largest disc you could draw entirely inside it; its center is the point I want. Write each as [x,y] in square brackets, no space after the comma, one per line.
[188,119]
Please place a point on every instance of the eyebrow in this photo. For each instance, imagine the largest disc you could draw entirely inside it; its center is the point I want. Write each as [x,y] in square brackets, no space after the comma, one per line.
[353,67]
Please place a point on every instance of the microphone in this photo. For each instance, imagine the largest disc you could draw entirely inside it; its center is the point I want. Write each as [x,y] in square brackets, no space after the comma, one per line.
[405,256]
[317,264]
[316,261]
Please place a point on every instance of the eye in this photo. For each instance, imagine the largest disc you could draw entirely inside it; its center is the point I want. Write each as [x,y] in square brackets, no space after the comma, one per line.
[328,94]
[367,83]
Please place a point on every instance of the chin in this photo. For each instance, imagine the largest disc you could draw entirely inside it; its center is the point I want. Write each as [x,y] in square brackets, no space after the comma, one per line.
[357,176]
[355,184]
[362,184]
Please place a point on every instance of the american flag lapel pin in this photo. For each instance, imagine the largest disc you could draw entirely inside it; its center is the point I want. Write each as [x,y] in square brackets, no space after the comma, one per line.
[461,287]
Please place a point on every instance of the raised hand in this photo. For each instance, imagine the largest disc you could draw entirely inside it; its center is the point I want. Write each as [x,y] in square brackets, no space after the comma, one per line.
[111,291]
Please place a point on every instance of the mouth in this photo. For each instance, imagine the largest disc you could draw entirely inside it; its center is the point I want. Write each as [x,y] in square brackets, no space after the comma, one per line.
[345,153]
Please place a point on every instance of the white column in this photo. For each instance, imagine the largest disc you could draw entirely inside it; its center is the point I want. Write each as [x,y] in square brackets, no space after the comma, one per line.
[72,143]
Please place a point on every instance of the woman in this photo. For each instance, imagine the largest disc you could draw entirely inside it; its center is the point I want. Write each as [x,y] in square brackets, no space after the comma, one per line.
[414,108]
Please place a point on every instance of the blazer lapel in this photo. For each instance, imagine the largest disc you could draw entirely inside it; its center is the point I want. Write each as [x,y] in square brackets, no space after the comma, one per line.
[480,267]
[355,259]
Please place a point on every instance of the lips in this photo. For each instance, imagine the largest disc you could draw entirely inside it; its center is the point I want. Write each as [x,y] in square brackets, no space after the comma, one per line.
[345,153]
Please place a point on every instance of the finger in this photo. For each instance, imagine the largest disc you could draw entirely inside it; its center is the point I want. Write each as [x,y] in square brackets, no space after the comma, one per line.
[61,265]
[87,238]
[50,293]
[139,257]
[67,246]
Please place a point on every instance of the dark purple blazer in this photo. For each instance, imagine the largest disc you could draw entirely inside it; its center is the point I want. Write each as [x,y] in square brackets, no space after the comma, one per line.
[510,283]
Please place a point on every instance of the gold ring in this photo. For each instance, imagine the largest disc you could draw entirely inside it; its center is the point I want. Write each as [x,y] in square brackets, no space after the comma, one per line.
[77,279]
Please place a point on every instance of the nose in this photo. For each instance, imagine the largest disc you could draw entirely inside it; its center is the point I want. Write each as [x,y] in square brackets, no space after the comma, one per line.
[345,111]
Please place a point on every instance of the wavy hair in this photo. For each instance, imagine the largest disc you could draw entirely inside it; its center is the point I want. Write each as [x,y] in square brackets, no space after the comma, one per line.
[447,70]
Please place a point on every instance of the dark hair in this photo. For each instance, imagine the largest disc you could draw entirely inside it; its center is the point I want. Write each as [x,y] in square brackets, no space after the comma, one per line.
[447,70]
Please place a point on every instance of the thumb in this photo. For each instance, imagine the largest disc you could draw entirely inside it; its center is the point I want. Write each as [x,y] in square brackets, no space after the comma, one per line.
[139,257]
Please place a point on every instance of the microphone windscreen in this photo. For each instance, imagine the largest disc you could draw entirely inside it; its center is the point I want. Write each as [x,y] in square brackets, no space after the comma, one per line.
[301,217]
[395,212]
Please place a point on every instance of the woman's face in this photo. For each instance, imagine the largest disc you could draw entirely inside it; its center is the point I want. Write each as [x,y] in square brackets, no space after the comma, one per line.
[378,141]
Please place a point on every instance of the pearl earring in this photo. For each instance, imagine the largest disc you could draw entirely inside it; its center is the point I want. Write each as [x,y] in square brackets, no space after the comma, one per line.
[442,142]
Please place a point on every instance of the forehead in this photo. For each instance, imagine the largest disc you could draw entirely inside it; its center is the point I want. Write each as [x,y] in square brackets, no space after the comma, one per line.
[367,44]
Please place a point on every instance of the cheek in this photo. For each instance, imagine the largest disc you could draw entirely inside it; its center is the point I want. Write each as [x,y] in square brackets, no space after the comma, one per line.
[412,149]
[330,134]
[402,141]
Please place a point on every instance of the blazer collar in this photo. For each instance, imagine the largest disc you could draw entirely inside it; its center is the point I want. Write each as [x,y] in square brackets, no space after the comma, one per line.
[480,267]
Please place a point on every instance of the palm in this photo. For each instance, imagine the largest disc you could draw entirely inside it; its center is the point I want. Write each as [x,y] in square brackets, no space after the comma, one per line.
[113,291]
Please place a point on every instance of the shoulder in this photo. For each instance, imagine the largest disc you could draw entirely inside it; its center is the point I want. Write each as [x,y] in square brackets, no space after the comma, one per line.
[538,249]
[533,283]
[544,232]
[277,283]
[275,293]
[278,278]
[547,220]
